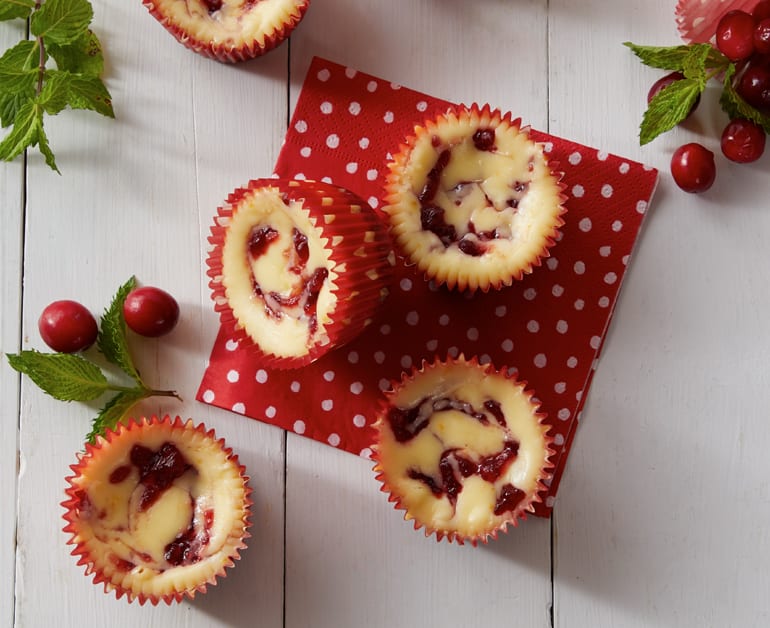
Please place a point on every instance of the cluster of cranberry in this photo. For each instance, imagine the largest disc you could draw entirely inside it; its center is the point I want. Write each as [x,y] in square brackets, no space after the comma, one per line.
[744,38]
[68,326]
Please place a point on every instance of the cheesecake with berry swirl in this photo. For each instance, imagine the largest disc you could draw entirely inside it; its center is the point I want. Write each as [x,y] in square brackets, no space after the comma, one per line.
[229,30]
[462,449]
[298,268]
[157,509]
[472,200]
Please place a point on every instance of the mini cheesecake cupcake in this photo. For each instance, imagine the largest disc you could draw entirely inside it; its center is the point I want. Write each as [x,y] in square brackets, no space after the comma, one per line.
[463,449]
[157,509]
[297,268]
[473,202]
[229,30]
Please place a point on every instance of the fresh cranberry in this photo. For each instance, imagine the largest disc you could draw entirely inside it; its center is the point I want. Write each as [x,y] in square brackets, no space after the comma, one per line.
[150,311]
[67,326]
[754,86]
[743,141]
[663,82]
[761,11]
[693,168]
[735,35]
[762,37]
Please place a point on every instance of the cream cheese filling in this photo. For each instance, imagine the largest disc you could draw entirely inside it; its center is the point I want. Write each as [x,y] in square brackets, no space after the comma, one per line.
[293,331]
[130,543]
[506,201]
[406,464]
[235,22]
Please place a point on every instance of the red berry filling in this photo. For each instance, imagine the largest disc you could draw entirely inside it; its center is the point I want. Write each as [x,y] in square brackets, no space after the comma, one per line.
[185,549]
[433,216]
[213,5]
[407,423]
[157,470]
[304,298]
[454,466]
[484,139]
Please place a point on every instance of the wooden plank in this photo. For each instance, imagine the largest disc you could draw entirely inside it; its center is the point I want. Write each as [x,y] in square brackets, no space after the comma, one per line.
[660,518]
[136,196]
[11,241]
[350,558]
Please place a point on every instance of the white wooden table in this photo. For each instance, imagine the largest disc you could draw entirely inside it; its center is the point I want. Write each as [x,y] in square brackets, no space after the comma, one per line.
[663,515]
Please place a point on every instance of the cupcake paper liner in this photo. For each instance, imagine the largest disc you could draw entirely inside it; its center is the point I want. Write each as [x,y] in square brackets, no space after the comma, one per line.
[697,20]
[228,51]
[120,575]
[467,273]
[360,255]
[531,498]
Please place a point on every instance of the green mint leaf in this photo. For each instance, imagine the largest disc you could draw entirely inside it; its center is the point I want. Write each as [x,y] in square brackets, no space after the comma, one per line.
[669,108]
[26,131]
[114,410]
[735,107]
[82,56]
[89,93]
[54,95]
[61,21]
[18,67]
[694,66]
[45,149]
[64,376]
[112,340]
[663,57]
[11,103]
[12,9]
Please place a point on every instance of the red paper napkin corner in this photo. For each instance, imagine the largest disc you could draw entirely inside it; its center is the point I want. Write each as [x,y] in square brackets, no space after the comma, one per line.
[549,327]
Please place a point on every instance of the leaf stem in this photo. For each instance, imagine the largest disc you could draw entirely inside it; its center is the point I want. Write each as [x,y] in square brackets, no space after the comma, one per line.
[41,57]
[151,392]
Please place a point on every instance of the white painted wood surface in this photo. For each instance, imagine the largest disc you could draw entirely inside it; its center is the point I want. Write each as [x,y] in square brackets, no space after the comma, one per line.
[662,517]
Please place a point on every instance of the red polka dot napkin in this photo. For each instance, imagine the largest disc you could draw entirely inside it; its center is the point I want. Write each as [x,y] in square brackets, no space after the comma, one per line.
[549,327]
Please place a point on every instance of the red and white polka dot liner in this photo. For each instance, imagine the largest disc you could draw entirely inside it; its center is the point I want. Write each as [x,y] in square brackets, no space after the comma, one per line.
[697,19]
[548,328]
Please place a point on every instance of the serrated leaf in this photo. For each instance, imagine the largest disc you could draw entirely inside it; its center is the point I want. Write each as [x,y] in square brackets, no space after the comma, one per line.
[114,410]
[61,21]
[11,103]
[112,340]
[12,9]
[64,376]
[25,132]
[55,93]
[735,107]
[668,108]
[694,66]
[663,57]
[89,93]
[45,150]
[18,67]
[82,56]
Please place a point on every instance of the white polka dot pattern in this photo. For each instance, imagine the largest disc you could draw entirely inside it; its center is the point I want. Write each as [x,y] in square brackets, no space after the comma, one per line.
[548,328]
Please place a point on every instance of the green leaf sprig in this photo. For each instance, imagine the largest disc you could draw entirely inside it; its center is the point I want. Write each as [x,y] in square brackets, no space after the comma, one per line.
[72,377]
[30,89]
[699,63]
